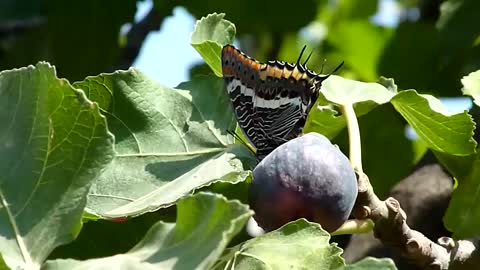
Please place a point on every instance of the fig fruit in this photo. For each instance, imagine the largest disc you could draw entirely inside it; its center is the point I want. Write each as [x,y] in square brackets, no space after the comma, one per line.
[307,177]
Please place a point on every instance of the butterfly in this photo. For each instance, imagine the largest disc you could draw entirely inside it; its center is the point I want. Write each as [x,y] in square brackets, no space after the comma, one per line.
[271,100]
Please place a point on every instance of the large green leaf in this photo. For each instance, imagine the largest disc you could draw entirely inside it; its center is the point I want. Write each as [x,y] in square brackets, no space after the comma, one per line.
[441,130]
[206,222]
[463,213]
[296,245]
[208,38]
[371,263]
[471,86]
[324,118]
[448,135]
[170,142]
[54,143]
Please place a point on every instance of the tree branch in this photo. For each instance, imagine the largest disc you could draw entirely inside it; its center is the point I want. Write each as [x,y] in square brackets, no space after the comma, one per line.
[139,31]
[392,230]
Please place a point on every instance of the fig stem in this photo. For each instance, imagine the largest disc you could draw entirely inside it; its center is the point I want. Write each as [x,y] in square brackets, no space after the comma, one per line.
[355,226]
[353,137]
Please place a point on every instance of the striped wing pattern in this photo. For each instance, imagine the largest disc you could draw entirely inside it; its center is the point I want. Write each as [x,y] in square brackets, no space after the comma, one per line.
[271,101]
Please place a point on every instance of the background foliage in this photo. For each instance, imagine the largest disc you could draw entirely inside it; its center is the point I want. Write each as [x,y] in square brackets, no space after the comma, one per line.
[431,49]
[435,45]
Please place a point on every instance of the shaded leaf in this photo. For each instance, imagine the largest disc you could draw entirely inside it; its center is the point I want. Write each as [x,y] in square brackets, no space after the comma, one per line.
[296,245]
[463,213]
[103,238]
[55,142]
[211,33]
[458,166]
[206,222]
[170,142]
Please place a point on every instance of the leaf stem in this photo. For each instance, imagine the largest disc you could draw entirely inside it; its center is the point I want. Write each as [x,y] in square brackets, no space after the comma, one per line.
[355,226]
[353,137]
[28,262]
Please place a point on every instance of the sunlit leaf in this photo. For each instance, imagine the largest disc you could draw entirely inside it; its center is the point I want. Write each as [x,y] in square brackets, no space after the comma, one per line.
[440,129]
[325,119]
[298,244]
[54,143]
[471,86]
[211,33]
[170,142]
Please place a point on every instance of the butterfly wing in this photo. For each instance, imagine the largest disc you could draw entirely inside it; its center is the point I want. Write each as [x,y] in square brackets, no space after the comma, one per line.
[271,100]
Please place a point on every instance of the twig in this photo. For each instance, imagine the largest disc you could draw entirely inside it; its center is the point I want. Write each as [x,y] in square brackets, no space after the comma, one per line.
[139,31]
[391,227]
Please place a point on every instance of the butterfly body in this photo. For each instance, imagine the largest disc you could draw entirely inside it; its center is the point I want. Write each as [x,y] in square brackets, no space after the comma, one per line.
[270,100]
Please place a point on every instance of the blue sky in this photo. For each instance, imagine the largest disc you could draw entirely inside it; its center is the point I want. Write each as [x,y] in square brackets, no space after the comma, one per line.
[166,55]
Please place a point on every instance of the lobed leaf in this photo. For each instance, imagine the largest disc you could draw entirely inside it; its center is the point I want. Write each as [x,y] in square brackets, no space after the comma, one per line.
[54,143]
[170,142]
[441,130]
[211,33]
[296,245]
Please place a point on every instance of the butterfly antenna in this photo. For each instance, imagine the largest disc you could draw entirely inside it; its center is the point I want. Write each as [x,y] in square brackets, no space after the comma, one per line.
[331,73]
[301,53]
[337,68]
[308,58]
[323,65]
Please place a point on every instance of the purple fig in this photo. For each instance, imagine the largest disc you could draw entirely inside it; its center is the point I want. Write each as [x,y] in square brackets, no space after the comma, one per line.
[306,177]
